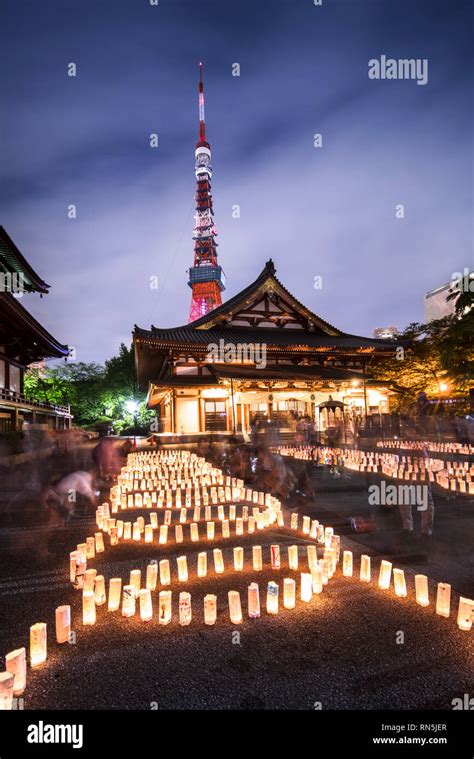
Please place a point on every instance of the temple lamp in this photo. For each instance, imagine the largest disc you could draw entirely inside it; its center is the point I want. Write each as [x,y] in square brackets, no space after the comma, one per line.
[132,408]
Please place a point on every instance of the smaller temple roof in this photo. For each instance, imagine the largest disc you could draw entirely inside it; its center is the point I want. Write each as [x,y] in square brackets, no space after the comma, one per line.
[12,261]
[23,335]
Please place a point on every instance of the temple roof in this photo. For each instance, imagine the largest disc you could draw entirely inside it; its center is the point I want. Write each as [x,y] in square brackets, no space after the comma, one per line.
[23,335]
[12,261]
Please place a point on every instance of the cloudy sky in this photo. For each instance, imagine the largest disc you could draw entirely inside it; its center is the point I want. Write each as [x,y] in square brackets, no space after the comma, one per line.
[328,211]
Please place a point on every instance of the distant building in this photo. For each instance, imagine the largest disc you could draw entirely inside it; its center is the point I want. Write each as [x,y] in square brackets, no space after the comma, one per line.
[436,305]
[385,333]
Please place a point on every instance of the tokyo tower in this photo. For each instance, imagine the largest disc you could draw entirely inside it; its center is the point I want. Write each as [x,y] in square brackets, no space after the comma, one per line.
[206,278]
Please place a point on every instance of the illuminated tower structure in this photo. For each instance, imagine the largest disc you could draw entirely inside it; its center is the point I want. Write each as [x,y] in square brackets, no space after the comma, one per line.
[206,278]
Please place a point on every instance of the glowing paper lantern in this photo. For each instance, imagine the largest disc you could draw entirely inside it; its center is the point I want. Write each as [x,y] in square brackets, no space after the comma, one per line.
[6,691]
[238,559]
[90,548]
[253,600]
[293,557]
[220,513]
[275,556]
[257,558]
[289,593]
[99,590]
[135,581]
[182,568]
[89,579]
[81,547]
[120,528]
[323,567]
[260,521]
[164,616]
[251,525]
[317,579]
[182,516]
[165,573]
[38,644]
[148,533]
[146,608]
[196,514]
[154,520]
[136,534]
[232,513]
[115,592]
[207,514]
[15,664]
[364,575]
[239,526]
[465,613]
[272,598]
[127,531]
[421,590]
[385,574]
[178,533]
[399,582]
[163,539]
[235,609]
[313,533]
[210,609]
[306,525]
[151,576]
[185,611]
[218,561]
[225,528]
[99,542]
[113,535]
[88,607]
[194,532]
[210,530]
[347,563]
[306,588]
[312,557]
[128,601]
[167,519]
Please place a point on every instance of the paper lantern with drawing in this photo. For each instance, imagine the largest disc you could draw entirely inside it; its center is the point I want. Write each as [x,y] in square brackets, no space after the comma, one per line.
[128,601]
[99,542]
[136,581]
[385,574]
[146,608]
[115,593]
[313,533]
[74,560]
[202,564]
[253,600]
[421,590]
[113,535]
[293,557]
[312,557]
[163,539]
[167,517]
[185,611]
[182,568]
[15,664]
[272,598]
[347,563]
[90,548]
[99,590]
[151,576]
[235,608]
[465,613]
[238,559]
[164,615]
[210,529]
[218,561]
[289,593]
[7,680]
[210,609]
[306,587]
[178,533]
[239,526]
[38,644]
[399,583]
[364,574]
[89,579]
[275,556]
[257,558]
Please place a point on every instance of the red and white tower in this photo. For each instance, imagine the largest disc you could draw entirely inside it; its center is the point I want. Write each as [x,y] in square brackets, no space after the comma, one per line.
[206,278]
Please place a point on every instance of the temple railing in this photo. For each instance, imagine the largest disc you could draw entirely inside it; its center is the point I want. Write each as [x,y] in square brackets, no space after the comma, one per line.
[13,397]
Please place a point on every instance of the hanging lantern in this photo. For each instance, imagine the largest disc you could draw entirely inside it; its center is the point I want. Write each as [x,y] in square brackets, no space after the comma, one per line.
[194,532]
[257,558]
[185,611]
[235,607]
[399,582]
[317,579]
[202,564]
[165,573]
[210,530]
[275,556]
[182,568]
[364,575]
[88,607]
[146,608]
[347,563]
[210,609]
[238,559]
[385,574]
[289,593]
[421,590]
[225,528]
[38,644]
[163,534]
[272,598]
[312,557]
[15,664]
[164,617]
[306,587]
[115,592]
[178,533]
[99,542]
[151,576]
[99,590]
[7,680]
[218,561]
[128,601]
[293,557]
[135,581]
[443,599]
[90,548]
[465,613]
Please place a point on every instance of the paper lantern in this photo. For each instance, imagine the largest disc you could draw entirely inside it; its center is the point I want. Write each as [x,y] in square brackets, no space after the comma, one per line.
[74,560]
[185,611]
[421,590]
[135,581]
[167,517]
[210,609]
[323,567]
[148,533]
[225,528]
[235,609]
[196,514]
[136,534]
[165,573]
[317,579]
[146,608]
[90,548]
[385,574]
[257,558]
[99,542]
[253,600]
[465,613]
[88,607]
[163,539]
[38,644]
[127,531]
[306,587]
[232,513]
[312,557]
[251,525]
[194,532]
[99,590]
[306,525]
[347,563]
[207,514]
[183,516]
[260,521]
[210,530]
[272,598]
[218,561]
[120,528]
[182,568]
[89,579]
[7,680]
[328,533]
[178,533]
[82,548]
[220,513]
[313,533]
[115,593]
[280,519]
[364,575]
[399,583]
[164,616]
[238,559]
[275,556]
[202,564]
[114,536]
[293,557]
[141,524]
[245,513]
[239,526]
[154,520]
[289,593]
[151,576]
[128,601]
[15,664]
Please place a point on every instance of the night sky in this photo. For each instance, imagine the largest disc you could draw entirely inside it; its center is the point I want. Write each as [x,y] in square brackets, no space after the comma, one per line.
[326,212]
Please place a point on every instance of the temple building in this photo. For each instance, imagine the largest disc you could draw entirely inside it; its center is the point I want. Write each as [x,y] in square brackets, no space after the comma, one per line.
[260,355]
[23,341]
